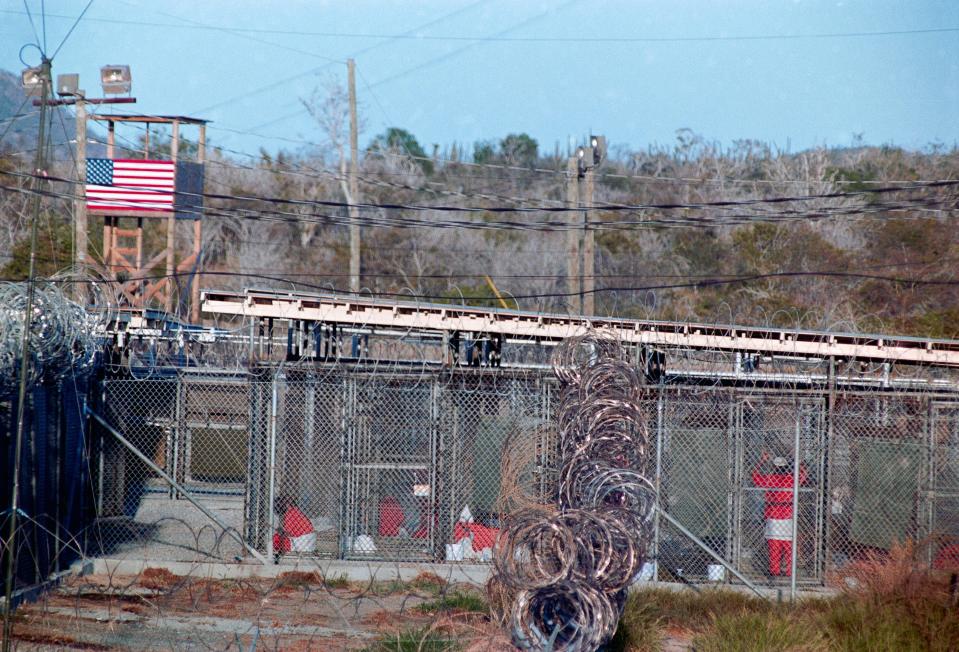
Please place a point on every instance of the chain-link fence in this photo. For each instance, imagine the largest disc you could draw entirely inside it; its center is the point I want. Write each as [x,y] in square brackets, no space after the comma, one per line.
[422,467]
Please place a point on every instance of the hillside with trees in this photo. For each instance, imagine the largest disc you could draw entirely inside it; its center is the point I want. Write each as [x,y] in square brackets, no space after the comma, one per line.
[838,255]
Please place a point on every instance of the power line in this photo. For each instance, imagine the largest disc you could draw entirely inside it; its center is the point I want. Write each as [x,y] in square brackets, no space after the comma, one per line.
[696,284]
[439,59]
[518,39]
[354,55]
[70,31]
[393,219]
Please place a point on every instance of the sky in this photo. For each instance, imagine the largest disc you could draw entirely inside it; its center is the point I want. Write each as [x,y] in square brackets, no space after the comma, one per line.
[795,74]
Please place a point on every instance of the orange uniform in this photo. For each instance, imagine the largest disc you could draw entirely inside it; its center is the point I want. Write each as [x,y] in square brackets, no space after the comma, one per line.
[779,514]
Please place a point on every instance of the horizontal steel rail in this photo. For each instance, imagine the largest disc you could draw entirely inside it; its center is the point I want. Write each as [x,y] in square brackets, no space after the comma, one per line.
[407,316]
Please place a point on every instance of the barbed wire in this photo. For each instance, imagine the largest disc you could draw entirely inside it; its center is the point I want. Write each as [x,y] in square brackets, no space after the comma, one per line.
[66,333]
[563,578]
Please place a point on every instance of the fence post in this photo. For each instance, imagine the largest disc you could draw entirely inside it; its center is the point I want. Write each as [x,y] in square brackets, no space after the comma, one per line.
[271,473]
[825,469]
[178,435]
[928,487]
[658,480]
[348,401]
[309,439]
[434,524]
[795,529]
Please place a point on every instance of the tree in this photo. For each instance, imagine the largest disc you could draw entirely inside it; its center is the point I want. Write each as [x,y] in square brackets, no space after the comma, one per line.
[520,150]
[330,108]
[484,151]
[399,142]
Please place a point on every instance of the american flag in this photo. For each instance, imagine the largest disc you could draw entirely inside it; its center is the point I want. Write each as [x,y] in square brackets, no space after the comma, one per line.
[130,185]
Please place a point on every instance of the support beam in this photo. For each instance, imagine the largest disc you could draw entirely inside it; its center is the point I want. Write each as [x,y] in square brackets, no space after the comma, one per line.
[543,327]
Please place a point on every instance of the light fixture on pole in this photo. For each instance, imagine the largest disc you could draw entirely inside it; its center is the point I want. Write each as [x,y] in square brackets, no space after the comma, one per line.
[68,85]
[598,145]
[116,79]
[32,81]
[585,159]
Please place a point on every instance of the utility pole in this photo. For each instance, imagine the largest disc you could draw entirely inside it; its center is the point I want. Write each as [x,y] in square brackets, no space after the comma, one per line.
[80,203]
[354,188]
[39,171]
[573,274]
[589,248]
[586,161]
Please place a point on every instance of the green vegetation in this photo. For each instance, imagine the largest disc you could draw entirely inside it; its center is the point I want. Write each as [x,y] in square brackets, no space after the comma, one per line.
[338,582]
[455,602]
[400,141]
[757,632]
[859,262]
[414,640]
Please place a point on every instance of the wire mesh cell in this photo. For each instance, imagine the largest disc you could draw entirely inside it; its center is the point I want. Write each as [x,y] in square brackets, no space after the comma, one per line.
[695,483]
[409,467]
[943,527]
[141,515]
[390,467]
[309,455]
[146,412]
[214,434]
[877,472]
[494,458]
[780,487]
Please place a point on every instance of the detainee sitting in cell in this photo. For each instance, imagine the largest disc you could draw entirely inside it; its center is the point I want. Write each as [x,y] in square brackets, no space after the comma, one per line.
[295,532]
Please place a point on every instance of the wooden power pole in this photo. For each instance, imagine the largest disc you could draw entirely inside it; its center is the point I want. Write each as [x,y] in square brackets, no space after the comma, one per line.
[354,187]
[589,247]
[80,203]
[573,285]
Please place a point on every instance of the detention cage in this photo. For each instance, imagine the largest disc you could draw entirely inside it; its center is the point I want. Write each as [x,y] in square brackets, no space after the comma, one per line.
[334,463]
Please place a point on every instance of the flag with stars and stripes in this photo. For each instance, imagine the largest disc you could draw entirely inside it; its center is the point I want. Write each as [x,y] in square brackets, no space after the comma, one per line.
[130,185]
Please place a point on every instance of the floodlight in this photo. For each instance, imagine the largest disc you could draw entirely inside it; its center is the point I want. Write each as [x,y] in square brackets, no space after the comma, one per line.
[68,84]
[598,144]
[32,80]
[585,158]
[115,79]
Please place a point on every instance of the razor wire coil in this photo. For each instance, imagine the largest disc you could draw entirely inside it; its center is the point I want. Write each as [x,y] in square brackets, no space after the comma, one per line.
[563,577]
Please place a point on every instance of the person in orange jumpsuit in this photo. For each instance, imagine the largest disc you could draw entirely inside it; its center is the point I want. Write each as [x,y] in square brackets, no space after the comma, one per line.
[296,533]
[776,477]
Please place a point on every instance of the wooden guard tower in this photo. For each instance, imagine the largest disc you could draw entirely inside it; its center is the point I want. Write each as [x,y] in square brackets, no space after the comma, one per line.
[124,252]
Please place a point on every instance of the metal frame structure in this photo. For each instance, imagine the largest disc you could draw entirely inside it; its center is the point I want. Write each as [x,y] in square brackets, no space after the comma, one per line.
[333,436]
[440,320]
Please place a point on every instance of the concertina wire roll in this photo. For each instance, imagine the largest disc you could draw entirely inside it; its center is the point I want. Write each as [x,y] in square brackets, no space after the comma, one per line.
[561,578]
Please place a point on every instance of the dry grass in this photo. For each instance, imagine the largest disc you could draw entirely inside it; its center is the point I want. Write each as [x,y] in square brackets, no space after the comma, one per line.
[893,602]
[158,579]
[298,580]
